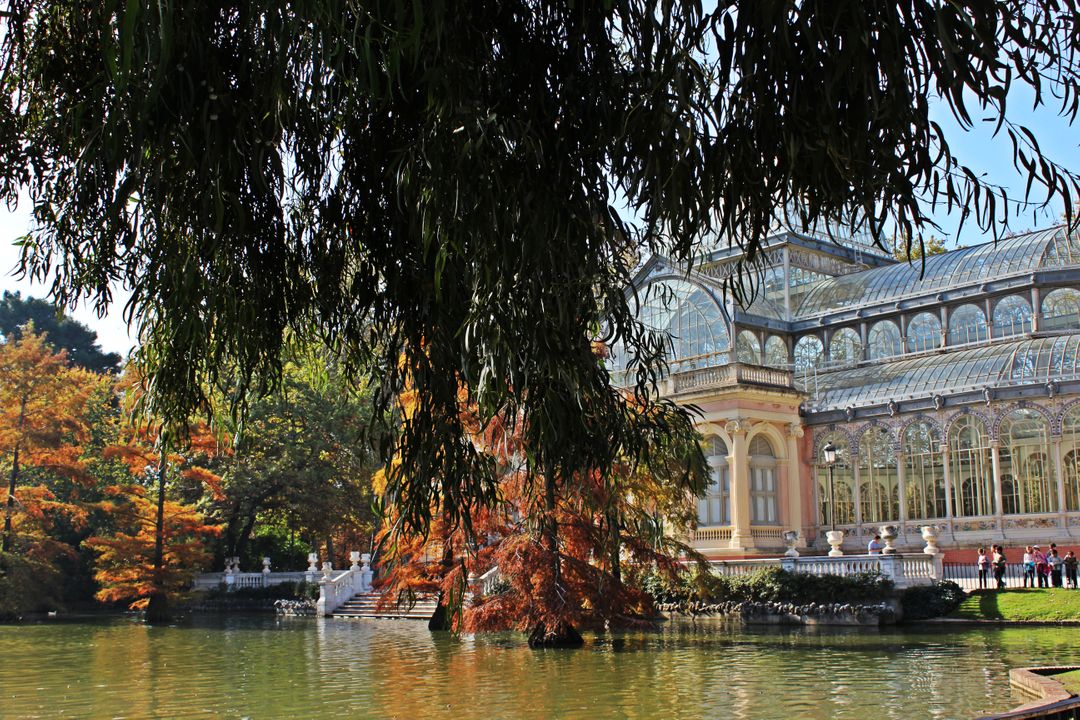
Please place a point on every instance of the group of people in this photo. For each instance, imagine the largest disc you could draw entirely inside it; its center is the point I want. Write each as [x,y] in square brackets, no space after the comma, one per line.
[1048,569]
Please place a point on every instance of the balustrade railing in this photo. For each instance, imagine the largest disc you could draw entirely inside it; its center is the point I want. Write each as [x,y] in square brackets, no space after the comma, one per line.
[903,570]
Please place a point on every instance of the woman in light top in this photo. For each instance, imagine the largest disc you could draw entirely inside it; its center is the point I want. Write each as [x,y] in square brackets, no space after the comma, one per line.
[1029,567]
[984,568]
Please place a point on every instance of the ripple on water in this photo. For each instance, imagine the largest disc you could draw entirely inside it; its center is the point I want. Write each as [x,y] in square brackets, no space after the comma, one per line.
[262,667]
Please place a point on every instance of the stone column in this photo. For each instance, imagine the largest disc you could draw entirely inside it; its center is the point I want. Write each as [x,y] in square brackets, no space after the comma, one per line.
[856,493]
[995,465]
[944,326]
[946,461]
[739,469]
[1036,310]
[794,499]
[901,490]
[1059,473]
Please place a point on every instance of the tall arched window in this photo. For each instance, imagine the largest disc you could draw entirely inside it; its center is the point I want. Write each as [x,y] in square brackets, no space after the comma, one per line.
[971,467]
[808,353]
[883,340]
[1023,457]
[1012,316]
[923,332]
[762,483]
[747,348]
[715,507]
[1070,447]
[843,483]
[1061,310]
[879,484]
[691,319]
[924,472]
[967,323]
[776,354]
[845,347]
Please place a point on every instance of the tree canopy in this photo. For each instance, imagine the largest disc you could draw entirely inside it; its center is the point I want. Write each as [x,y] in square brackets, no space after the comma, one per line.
[62,332]
[428,187]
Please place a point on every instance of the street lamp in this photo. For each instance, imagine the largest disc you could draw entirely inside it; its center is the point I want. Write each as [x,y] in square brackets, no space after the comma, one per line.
[829,453]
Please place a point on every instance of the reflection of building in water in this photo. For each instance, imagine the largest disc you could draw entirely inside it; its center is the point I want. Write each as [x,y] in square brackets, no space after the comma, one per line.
[951,392]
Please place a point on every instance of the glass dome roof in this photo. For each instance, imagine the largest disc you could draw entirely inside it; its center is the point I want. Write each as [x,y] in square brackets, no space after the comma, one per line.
[1018,254]
[1012,363]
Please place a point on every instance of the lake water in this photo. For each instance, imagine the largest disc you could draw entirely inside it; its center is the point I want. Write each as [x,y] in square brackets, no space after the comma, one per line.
[265,667]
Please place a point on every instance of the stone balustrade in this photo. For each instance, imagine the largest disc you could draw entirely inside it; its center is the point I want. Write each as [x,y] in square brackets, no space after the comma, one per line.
[903,570]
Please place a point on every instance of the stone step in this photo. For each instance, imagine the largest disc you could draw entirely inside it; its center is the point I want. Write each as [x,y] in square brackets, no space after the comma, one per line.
[366,605]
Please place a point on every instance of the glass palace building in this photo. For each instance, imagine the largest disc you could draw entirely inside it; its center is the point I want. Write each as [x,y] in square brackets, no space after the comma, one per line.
[951,393]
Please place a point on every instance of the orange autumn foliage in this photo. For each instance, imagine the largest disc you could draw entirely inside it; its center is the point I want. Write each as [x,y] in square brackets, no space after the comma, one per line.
[125,565]
[43,423]
[603,523]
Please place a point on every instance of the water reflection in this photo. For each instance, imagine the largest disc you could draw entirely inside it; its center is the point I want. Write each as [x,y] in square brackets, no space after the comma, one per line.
[261,667]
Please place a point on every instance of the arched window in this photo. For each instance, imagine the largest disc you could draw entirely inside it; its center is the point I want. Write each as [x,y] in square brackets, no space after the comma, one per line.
[1010,498]
[1012,316]
[776,354]
[879,483]
[883,340]
[923,332]
[1022,456]
[971,467]
[692,321]
[924,472]
[1070,447]
[967,323]
[808,353]
[842,493]
[715,507]
[747,348]
[845,347]
[1061,310]
[762,483]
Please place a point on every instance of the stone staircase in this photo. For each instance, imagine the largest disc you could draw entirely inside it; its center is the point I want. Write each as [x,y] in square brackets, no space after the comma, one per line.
[365,605]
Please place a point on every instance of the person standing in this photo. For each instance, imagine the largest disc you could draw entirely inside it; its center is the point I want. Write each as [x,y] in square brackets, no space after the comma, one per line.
[1029,567]
[1042,570]
[984,568]
[874,546]
[999,561]
[1070,568]
[1054,562]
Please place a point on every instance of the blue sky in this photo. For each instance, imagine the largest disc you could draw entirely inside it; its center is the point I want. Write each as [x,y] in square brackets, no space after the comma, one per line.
[977,148]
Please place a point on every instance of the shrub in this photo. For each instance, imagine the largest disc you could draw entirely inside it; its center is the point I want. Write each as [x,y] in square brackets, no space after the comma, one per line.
[928,601]
[26,586]
[770,584]
[302,590]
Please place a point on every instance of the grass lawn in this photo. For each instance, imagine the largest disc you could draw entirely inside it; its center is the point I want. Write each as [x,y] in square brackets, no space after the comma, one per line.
[1070,679]
[1048,604]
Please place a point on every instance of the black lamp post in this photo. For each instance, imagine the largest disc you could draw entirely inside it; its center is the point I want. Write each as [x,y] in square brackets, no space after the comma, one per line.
[829,453]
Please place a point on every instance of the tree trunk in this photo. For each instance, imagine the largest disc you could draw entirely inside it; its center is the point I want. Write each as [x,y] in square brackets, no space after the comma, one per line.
[616,547]
[158,609]
[562,634]
[440,618]
[9,512]
[245,533]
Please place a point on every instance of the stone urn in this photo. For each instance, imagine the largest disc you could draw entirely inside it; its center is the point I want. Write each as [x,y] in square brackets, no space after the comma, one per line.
[929,534]
[889,534]
[354,558]
[313,562]
[791,539]
[266,565]
[836,539]
[327,569]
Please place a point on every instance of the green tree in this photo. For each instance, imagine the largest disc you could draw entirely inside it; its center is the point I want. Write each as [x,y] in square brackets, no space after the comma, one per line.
[302,463]
[907,249]
[63,333]
[427,187]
